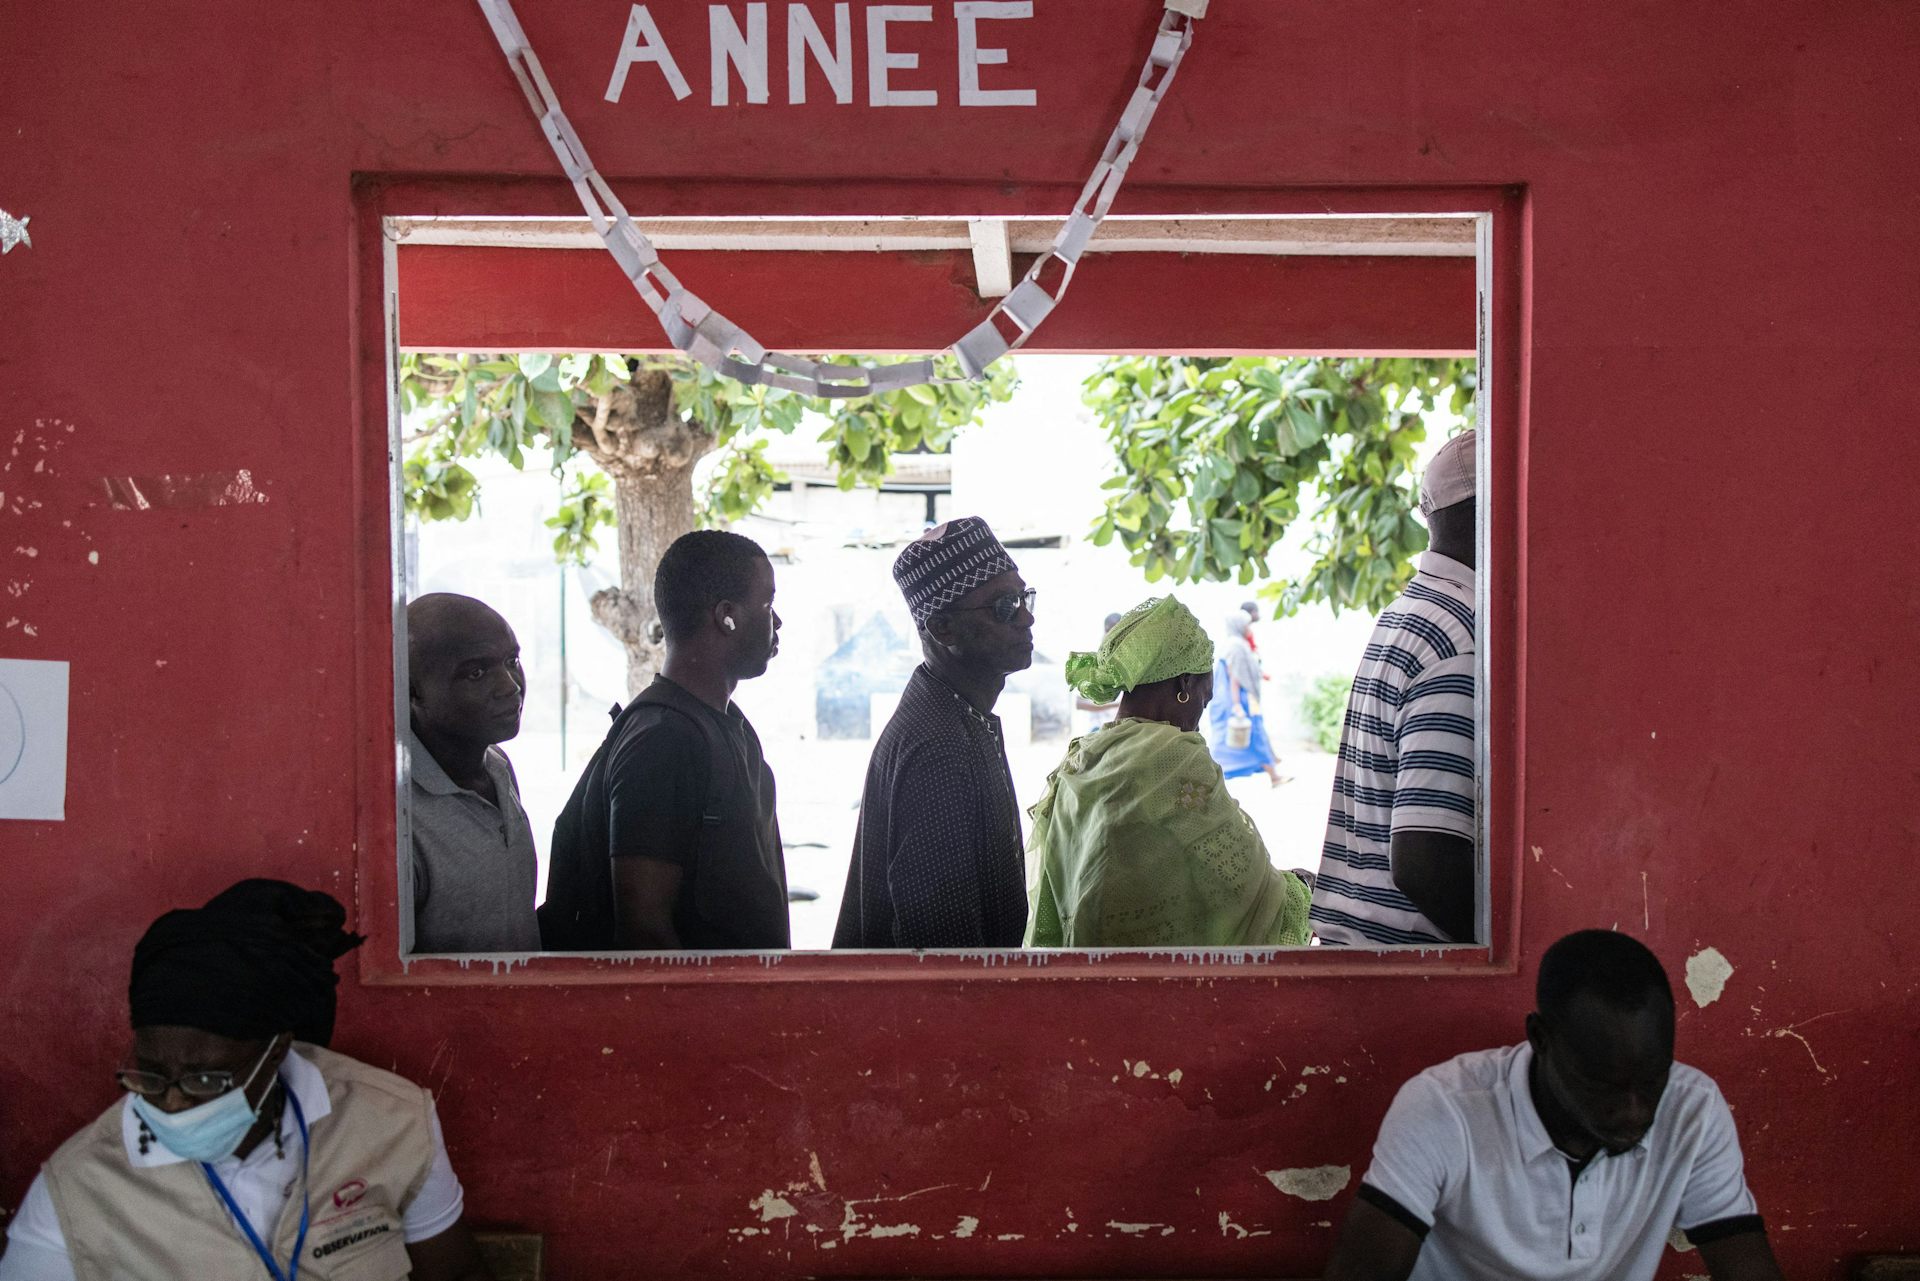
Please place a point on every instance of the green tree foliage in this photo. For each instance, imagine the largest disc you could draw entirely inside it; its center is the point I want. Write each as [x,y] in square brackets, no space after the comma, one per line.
[642,424]
[1324,707]
[1216,455]
[517,406]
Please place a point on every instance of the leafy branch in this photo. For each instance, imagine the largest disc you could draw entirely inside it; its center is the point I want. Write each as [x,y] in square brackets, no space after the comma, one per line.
[1215,455]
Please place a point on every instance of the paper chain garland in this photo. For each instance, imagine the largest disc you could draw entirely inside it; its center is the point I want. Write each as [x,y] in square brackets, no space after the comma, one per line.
[709,337]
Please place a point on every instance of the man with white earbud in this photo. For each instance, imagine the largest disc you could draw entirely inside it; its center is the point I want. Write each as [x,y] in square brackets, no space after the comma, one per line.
[670,841]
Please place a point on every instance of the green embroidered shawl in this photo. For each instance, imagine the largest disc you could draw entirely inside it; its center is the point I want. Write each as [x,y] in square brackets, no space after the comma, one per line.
[1138,844]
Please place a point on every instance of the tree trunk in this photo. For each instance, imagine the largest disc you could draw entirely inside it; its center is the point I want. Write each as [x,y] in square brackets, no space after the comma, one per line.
[648,452]
[653,509]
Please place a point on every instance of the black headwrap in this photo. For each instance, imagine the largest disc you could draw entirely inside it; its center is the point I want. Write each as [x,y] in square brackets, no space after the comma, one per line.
[256,961]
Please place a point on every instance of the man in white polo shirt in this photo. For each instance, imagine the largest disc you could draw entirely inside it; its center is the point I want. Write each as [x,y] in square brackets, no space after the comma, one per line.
[1397,865]
[1570,1157]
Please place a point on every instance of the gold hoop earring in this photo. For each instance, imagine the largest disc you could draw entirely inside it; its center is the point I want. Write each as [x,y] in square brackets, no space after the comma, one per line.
[1183,697]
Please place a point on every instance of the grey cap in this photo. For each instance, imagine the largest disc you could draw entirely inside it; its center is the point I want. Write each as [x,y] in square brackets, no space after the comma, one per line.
[1451,476]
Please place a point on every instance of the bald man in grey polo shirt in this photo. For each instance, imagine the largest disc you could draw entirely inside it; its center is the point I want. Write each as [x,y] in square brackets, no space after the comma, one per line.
[474,868]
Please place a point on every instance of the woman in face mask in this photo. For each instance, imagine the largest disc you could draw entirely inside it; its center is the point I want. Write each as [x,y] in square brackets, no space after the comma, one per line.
[243,1147]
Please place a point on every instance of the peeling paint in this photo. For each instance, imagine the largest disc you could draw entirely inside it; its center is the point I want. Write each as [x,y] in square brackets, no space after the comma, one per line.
[1312,1183]
[850,1220]
[1808,1045]
[1233,1231]
[1707,975]
[967,1226]
[13,232]
[1141,1229]
[771,1206]
[204,489]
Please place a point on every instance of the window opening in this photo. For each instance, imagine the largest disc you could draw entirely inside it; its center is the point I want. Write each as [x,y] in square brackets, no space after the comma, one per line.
[786,490]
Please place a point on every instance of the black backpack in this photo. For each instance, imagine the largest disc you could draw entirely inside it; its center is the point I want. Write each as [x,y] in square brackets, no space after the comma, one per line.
[578,914]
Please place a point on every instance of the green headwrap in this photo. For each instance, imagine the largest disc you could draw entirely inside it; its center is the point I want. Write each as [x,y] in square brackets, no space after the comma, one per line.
[1158,640]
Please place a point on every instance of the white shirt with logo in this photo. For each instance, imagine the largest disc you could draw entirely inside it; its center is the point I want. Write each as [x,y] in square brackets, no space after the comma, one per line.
[261,1185]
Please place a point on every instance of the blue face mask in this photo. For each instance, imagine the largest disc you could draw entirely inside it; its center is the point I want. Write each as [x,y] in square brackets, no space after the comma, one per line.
[209,1131]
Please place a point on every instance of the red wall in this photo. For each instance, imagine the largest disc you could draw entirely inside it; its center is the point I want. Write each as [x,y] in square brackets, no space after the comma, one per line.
[498,299]
[1713,593]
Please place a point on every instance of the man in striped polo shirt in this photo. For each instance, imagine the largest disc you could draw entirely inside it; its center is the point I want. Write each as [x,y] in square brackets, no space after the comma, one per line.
[1398,862]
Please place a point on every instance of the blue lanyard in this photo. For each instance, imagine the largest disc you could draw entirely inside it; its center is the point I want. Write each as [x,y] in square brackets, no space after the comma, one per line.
[253,1238]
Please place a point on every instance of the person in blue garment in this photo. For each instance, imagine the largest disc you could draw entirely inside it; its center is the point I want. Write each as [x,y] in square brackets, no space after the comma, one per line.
[1236,684]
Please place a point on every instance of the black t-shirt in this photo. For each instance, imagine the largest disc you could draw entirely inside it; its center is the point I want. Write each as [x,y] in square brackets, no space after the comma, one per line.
[651,792]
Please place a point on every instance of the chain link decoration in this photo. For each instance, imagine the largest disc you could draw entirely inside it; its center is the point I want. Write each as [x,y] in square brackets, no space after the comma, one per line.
[710,338]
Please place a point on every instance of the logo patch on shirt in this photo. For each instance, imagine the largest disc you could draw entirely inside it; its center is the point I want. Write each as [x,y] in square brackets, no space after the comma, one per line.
[348,1193]
[349,1239]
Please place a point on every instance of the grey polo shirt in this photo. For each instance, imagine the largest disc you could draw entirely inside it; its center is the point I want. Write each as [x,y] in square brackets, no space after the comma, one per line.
[474,869]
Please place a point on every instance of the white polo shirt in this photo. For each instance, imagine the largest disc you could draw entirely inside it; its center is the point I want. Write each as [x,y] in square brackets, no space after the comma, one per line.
[1463,1158]
[261,1184]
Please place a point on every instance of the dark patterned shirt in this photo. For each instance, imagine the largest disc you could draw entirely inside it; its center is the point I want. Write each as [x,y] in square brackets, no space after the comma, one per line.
[938,859]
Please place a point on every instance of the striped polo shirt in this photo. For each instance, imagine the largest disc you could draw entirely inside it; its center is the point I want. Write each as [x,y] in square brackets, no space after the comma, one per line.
[1406,757]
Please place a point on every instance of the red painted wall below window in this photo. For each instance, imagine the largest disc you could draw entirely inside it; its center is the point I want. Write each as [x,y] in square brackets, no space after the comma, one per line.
[1713,599]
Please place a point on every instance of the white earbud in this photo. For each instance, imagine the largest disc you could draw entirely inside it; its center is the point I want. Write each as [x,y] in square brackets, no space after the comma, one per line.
[727,623]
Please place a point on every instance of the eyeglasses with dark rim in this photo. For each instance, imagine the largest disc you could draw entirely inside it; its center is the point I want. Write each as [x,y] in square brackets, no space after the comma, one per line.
[1005,608]
[195,1085]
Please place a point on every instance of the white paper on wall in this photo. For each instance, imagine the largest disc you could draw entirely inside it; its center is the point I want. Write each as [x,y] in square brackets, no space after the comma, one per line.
[33,739]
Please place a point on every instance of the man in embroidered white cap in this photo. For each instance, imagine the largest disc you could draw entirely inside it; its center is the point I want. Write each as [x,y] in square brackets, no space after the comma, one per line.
[938,858]
[1397,865]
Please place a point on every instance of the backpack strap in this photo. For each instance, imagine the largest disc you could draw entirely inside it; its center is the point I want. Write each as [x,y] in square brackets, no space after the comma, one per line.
[719,753]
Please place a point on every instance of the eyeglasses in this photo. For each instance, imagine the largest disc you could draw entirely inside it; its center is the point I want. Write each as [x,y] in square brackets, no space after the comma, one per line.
[1005,608]
[195,1085]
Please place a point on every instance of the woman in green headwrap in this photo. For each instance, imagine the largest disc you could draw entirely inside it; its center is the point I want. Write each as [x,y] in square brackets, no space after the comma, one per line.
[1136,842]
